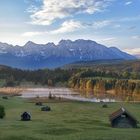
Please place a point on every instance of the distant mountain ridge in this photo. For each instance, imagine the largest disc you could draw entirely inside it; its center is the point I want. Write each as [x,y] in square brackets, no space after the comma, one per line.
[36,56]
[137,56]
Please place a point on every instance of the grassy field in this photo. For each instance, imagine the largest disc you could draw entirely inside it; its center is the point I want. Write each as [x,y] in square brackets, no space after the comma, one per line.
[67,121]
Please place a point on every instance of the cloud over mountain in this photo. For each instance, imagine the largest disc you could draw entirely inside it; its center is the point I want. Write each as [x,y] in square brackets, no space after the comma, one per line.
[68,26]
[56,9]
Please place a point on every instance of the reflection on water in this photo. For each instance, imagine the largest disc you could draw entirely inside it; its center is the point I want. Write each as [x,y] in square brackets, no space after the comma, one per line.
[77,95]
[63,93]
[103,95]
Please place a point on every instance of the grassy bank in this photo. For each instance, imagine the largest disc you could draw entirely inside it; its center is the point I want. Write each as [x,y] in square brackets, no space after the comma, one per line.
[67,121]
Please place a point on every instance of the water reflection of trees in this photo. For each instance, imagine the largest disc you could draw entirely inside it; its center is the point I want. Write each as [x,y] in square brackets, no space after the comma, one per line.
[120,89]
[103,95]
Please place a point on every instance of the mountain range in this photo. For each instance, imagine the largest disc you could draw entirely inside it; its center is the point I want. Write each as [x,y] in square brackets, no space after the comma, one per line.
[36,56]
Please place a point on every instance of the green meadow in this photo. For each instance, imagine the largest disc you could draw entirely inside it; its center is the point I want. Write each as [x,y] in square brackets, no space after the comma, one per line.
[68,120]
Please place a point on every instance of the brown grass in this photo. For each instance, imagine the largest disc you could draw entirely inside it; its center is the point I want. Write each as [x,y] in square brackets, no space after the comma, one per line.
[11,91]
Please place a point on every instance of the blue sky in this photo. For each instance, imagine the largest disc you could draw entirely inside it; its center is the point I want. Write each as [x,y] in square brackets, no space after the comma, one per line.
[110,22]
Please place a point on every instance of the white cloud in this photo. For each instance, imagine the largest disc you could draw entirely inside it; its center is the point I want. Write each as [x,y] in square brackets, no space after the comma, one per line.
[56,9]
[136,37]
[109,39]
[31,1]
[126,19]
[128,2]
[30,34]
[134,51]
[117,26]
[101,24]
[32,9]
[68,26]
[72,25]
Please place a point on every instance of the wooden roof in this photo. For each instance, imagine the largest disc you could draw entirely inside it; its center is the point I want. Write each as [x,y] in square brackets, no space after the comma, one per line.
[119,112]
[25,113]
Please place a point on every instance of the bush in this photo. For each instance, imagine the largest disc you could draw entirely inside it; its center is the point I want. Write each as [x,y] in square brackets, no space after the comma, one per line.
[5,97]
[2,112]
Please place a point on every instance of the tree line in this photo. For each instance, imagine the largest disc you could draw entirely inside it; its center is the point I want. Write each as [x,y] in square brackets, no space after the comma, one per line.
[87,79]
[102,85]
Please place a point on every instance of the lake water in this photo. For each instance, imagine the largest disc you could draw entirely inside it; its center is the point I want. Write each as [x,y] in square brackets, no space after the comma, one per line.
[63,93]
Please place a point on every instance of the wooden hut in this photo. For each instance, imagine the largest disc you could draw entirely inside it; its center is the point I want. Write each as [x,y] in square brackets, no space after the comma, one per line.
[104,106]
[46,108]
[123,119]
[25,116]
[39,104]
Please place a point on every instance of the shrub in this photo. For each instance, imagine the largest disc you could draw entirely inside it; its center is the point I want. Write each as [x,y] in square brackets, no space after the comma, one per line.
[2,112]
[5,97]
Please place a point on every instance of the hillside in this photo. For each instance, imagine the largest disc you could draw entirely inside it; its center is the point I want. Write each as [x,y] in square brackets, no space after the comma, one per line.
[114,65]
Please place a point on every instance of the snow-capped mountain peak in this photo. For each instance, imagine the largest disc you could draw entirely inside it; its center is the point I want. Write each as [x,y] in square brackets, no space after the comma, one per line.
[34,56]
[30,44]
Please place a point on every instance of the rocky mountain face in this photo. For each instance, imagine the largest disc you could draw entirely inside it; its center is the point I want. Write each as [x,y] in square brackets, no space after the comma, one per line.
[35,56]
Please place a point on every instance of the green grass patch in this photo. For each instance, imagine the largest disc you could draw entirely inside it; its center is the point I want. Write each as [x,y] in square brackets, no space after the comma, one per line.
[66,121]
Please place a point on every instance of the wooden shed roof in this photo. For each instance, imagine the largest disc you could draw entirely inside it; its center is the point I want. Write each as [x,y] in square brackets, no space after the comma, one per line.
[25,113]
[119,112]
